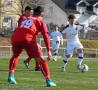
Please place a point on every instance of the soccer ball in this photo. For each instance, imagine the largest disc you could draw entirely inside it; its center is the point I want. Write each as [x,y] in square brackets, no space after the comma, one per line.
[84,68]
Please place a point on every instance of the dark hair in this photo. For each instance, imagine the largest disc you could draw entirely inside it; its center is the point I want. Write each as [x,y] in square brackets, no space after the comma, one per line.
[38,10]
[71,17]
[28,8]
[56,26]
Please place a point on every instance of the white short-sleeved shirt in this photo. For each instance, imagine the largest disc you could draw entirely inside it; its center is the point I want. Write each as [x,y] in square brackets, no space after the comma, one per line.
[56,36]
[72,32]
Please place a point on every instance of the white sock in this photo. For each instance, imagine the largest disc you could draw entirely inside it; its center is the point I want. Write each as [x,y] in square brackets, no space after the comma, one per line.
[64,63]
[80,58]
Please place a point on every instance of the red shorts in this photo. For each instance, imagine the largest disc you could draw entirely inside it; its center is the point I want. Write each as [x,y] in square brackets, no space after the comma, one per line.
[32,48]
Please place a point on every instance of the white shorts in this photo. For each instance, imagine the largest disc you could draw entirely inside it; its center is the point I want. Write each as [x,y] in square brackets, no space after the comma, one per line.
[55,46]
[72,46]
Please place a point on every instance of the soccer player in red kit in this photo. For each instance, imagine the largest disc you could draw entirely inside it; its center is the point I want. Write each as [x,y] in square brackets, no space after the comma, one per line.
[28,13]
[25,38]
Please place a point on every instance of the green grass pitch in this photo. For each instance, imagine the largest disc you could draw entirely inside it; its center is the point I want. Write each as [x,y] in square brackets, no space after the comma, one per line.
[72,79]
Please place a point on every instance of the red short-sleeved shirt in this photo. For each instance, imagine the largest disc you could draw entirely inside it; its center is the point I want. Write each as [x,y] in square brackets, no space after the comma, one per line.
[28,29]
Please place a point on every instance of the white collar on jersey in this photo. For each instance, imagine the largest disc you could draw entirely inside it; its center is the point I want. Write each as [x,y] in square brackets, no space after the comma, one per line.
[71,25]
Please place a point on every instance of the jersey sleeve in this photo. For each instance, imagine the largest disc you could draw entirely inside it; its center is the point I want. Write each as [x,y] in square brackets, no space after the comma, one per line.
[44,27]
[64,31]
[45,34]
[87,28]
[79,27]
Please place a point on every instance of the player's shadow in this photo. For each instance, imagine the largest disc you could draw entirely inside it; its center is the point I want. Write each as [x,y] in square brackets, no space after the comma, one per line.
[5,70]
[69,70]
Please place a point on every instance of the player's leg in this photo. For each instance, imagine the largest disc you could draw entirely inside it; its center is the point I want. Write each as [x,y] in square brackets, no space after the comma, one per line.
[17,49]
[80,57]
[37,66]
[68,54]
[26,62]
[79,49]
[55,51]
[34,51]
[65,60]
[45,71]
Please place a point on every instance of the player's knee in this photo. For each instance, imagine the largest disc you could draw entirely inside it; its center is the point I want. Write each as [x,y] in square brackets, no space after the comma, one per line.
[80,50]
[80,55]
[68,56]
[42,61]
[39,59]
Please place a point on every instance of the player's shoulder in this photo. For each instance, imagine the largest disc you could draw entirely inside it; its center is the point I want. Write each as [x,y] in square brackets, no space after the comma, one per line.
[23,16]
[40,21]
[66,27]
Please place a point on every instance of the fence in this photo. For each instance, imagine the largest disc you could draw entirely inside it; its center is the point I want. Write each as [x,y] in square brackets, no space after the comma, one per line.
[88,52]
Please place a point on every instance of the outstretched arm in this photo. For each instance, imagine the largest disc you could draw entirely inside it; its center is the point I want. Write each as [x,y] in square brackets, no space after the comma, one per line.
[88,28]
[84,27]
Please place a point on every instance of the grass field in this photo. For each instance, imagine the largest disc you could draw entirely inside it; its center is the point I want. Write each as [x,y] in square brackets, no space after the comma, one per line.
[72,79]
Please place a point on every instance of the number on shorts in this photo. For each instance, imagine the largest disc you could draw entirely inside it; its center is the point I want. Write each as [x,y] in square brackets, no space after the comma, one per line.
[26,23]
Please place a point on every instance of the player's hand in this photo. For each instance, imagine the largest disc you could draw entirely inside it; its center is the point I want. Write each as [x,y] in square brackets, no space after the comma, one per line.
[49,55]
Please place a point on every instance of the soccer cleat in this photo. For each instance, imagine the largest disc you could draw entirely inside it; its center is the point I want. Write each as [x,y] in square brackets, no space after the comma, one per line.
[37,69]
[26,64]
[11,79]
[50,83]
[63,69]
[78,67]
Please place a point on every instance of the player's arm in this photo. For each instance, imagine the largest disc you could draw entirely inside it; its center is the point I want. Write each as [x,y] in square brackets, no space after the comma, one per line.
[88,28]
[79,27]
[46,40]
[45,34]
[84,27]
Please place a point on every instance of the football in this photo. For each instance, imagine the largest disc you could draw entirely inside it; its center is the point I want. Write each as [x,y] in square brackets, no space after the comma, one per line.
[84,68]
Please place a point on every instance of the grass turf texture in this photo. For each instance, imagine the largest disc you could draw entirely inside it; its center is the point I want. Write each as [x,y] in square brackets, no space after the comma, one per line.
[72,79]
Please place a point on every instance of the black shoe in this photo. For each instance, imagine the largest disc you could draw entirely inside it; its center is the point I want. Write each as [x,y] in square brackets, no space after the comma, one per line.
[37,69]
[26,64]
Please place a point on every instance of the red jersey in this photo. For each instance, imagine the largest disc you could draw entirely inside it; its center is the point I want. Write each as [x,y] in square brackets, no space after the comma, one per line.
[22,17]
[29,28]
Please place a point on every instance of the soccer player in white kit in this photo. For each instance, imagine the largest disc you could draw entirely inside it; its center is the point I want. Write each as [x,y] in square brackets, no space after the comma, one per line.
[56,36]
[73,42]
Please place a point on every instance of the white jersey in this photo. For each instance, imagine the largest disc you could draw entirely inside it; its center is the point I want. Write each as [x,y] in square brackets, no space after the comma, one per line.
[72,32]
[56,36]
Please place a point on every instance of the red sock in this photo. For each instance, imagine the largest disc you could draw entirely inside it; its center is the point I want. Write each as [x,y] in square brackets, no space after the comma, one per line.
[28,59]
[37,64]
[45,69]
[13,64]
